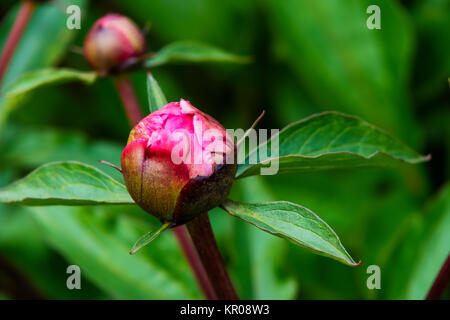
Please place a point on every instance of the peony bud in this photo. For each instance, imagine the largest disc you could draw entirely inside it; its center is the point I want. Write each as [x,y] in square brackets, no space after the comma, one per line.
[179,163]
[111,41]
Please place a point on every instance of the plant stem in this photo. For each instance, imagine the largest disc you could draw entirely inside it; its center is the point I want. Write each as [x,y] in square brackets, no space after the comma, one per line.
[441,281]
[25,12]
[133,111]
[203,238]
[196,265]
[129,100]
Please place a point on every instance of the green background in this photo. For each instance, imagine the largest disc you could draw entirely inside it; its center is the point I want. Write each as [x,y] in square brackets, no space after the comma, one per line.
[308,56]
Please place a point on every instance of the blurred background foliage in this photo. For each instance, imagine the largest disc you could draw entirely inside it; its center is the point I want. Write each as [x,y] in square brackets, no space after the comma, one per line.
[308,56]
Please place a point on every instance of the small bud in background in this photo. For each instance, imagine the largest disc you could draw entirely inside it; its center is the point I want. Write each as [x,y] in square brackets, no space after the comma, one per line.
[179,163]
[111,41]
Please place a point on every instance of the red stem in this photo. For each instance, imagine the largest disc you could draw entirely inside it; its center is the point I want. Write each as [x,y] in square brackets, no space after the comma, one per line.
[203,239]
[129,100]
[441,281]
[131,105]
[25,12]
[196,265]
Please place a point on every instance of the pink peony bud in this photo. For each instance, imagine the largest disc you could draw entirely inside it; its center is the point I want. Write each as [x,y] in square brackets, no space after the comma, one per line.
[111,41]
[179,163]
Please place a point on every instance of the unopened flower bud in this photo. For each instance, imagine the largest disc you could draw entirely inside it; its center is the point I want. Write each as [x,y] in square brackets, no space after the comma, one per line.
[111,41]
[179,163]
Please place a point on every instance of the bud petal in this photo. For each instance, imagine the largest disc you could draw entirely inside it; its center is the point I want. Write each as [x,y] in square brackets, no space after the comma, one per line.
[174,165]
[112,40]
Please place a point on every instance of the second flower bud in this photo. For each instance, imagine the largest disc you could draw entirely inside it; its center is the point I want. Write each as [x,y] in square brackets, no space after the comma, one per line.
[111,41]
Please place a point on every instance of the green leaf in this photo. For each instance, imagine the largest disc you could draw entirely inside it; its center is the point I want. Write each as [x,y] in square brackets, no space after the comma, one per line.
[32,80]
[49,145]
[259,261]
[148,237]
[99,244]
[329,140]
[194,52]
[156,97]
[293,222]
[66,183]
[28,82]
[424,249]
